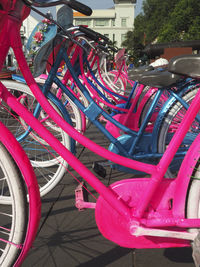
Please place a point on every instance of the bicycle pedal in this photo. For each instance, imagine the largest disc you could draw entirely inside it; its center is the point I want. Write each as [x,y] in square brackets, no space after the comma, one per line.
[81,192]
[81,195]
[81,198]
[99,169]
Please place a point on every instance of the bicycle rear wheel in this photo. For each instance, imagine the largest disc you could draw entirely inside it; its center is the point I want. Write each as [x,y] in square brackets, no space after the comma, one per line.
[13,209]
[169,126]
[49,167]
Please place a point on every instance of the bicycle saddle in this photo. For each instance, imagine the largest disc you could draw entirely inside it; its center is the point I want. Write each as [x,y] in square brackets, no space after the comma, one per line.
[137,72]
[158,78]
[140,69]
[187,65]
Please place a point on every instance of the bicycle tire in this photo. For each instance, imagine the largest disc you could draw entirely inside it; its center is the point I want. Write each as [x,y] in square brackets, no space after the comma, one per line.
[147,105]
[117,86]
[13,187]
[79,120]
[49,169]
[193,199]
[169,125]
[191,170]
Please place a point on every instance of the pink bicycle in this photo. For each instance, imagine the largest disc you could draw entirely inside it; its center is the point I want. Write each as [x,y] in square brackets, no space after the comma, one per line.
[153,212]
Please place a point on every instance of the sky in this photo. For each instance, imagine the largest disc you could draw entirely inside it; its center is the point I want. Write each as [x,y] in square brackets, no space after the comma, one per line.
[96,4]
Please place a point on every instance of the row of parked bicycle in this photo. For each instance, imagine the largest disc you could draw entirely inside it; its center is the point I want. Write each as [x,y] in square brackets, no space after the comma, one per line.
[150,116]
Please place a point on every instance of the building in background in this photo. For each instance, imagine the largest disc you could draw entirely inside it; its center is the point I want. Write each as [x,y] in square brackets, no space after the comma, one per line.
[113,23]
[28,26]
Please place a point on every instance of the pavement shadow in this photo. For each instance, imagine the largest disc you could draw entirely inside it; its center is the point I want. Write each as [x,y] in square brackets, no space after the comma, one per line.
[183,255]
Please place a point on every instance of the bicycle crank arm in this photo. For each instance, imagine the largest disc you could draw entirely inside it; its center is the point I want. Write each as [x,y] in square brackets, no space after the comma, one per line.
[141,231]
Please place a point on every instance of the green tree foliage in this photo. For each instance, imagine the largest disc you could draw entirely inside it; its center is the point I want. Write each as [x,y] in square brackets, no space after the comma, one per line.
[183,22]
[164,21]
[155,15]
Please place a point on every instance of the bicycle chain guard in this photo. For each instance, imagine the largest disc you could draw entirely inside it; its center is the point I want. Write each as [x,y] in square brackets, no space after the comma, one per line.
[115,228]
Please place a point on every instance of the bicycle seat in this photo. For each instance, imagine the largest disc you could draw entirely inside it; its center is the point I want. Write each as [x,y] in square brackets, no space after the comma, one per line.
[158,78]
[140,69]
[187,65]
[137,72]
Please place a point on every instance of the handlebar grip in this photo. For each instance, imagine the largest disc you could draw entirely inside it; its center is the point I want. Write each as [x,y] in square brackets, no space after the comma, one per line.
[89,33]
[86,10]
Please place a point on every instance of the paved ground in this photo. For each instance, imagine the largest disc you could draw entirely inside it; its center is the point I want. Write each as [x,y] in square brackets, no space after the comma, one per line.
[69,238]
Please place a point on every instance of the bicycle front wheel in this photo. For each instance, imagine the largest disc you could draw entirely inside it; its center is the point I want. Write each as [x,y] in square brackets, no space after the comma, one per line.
[13,212]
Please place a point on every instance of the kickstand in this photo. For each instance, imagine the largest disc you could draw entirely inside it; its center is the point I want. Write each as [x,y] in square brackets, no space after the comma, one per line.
[134,258]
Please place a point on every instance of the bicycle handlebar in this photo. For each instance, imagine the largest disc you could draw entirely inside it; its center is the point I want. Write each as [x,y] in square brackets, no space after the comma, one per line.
[103,37]
[86,10]
[94,35]
[89,33]
[113,49]
[103,48]
[71,3]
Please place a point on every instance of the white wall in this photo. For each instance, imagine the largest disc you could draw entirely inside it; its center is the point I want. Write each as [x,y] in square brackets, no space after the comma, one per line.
[29,24]
[123,11]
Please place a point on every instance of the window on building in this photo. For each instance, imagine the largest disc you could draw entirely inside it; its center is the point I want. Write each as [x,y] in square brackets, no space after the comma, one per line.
[123,22]
[123,37]
[101,22]
[113,37]
[83,22]
[112,22]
